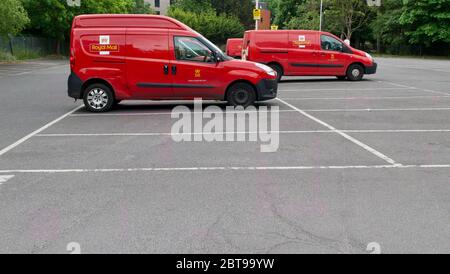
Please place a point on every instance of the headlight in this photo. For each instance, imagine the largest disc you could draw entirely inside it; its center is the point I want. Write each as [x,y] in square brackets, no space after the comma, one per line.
[369,56]
[267,69]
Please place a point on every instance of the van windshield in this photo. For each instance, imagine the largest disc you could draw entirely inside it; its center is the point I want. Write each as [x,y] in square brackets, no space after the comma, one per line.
[214,48]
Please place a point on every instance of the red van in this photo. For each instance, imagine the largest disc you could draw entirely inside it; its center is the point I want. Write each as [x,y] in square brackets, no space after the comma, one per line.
[307,53]
[234,47]
[150,57]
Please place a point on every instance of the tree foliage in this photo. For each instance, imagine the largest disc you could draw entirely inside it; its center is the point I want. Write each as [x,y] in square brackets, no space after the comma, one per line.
[13,17]
[53,18]
[217,28]
[242,9]
[429,21]
[397,26]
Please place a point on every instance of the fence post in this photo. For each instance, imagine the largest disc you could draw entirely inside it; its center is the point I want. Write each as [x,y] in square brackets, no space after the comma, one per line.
[10,37]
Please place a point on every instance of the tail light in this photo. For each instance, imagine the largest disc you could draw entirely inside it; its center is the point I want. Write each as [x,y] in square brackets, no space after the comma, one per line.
[72,59]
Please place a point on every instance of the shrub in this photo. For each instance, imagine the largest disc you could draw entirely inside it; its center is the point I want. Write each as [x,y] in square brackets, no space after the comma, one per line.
[217,28]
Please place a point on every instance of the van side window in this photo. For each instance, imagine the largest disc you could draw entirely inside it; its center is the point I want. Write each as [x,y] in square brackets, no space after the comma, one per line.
[191,49]
[330,43]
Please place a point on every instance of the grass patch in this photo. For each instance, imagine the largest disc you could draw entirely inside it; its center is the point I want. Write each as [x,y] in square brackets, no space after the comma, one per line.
[6,57]
[26,54]
[19,55]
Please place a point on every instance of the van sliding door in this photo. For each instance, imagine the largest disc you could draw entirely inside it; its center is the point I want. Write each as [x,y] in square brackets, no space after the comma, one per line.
[148,63]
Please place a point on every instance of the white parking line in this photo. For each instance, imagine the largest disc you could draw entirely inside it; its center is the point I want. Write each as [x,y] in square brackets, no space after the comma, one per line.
[279,111]
[169,113]
[24,139]
[376,109]
[203,169]
[25,71]
[366,98]
[411,87]
[343,134]
[417,68]
[150,134]
[5,178]
[346,89]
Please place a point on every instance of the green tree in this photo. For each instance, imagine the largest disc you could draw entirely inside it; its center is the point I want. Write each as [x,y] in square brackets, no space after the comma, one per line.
[285,11]
[142,7]
[193,5]
[347,16]
[307,16]
[243,9]
[51,18]
[13,17]
[387,30]
[107,6]
[217,28]
[428,21]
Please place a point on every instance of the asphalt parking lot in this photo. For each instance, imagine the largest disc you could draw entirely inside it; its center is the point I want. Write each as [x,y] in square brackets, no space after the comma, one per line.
[358,163]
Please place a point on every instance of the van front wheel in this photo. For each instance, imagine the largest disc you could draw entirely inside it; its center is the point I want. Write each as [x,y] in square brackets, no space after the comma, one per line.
[355,72]
[241,94]
[278,69]
[98,98]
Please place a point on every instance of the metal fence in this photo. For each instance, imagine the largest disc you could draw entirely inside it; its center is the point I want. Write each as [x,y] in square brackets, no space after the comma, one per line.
[43,46]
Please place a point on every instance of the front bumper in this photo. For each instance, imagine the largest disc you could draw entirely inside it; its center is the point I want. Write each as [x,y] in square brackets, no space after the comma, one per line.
[75,85]
[267,89]
[372,69]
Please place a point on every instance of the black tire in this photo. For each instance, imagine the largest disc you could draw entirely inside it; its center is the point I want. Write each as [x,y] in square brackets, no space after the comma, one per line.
[341,78]
[279,71]
[355,72]
[98,98]
[241,94]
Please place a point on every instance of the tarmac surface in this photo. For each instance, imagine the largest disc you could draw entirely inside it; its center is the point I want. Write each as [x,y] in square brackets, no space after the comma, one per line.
[357,163]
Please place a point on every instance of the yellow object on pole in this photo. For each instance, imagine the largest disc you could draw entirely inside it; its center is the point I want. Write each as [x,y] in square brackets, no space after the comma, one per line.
[257,14]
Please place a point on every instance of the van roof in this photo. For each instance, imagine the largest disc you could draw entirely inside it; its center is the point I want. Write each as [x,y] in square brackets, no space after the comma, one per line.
[127,20]
[284,31]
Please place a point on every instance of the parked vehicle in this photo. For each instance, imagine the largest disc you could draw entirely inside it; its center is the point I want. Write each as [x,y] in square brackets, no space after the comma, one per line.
[150,57]
[307,53]
[234,47]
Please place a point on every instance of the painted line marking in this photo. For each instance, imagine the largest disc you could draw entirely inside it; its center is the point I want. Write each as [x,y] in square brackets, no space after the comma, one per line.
[346,89]
[405,86]
[365,98]
[169,169]
[37,70]
[24,139]
[169,113]
[343,134]
[5,178]
[243,132]
[279,111]
[417,68]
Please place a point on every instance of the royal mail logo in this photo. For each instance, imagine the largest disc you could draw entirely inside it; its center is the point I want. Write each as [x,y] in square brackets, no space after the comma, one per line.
[102,48]
[302,43]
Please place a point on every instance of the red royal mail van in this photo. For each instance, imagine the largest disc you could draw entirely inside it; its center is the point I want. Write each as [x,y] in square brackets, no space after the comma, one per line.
[307,53]
[234,47]
[149,57]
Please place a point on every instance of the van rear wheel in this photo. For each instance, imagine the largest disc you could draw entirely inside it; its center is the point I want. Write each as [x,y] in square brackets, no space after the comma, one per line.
[98,98]
[241,94]
[355,72]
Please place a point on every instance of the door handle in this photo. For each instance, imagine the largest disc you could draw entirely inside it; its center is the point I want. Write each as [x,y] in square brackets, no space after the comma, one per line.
[166,69]
[174,70]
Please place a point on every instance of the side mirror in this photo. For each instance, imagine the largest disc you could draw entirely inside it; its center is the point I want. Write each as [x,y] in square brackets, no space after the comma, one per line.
[217,57]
